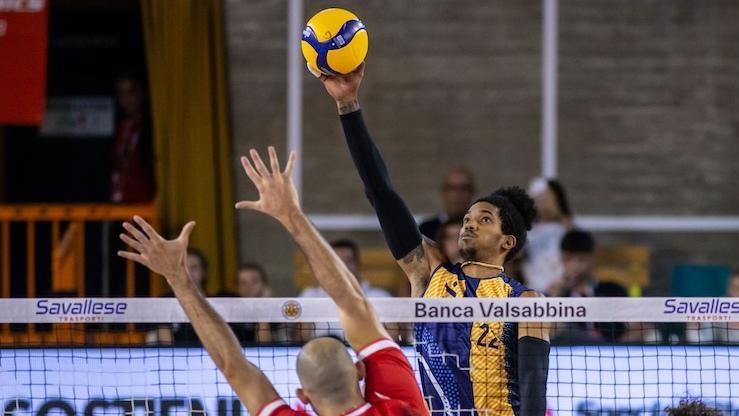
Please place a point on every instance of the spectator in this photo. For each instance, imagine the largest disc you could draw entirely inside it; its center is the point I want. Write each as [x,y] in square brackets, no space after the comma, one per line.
[252,282]
[716,332]
[348,252]
[542,265]
[132,173]
[577,253]
[577,280]
[457,192]
[448,239]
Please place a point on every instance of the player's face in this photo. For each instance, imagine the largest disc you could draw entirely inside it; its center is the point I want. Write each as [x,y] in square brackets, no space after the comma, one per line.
[481,237]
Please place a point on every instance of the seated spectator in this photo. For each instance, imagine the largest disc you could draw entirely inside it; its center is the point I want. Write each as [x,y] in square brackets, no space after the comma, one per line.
[542,264]
[577,280]
[716,332]
[457,192]
[612,332]
[348,251]
[448,239]
[252,282]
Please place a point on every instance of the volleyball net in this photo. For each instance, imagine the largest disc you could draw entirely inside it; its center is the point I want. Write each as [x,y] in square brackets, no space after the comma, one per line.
[139,356]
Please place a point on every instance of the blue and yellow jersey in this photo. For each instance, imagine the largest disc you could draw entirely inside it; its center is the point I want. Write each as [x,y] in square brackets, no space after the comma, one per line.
[469,368]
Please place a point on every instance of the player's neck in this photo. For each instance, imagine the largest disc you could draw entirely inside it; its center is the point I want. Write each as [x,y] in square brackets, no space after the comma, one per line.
[482,269]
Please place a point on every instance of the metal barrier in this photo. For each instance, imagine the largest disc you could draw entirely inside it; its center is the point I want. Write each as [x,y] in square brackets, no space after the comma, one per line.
[67,262]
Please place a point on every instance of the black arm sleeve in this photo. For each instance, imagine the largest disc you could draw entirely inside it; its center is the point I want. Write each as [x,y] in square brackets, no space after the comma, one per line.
[533,368]
[398,225]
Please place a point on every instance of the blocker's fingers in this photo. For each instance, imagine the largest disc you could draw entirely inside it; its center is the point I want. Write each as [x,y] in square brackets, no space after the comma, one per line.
[132,243]
[290,163]
[148,229]
[250,171]
[261,167]
[247,205]
[273,160]
[186,231]
[138,258]
[135,232]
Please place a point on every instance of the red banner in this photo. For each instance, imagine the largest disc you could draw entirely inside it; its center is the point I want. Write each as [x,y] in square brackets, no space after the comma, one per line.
[23,40]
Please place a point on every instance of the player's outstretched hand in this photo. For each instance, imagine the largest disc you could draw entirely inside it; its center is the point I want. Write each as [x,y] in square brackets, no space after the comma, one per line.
[166,257]
[344,88]
[277,195]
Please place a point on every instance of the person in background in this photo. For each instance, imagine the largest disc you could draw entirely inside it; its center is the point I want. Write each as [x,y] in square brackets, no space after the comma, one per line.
[447,237]
[541,265]
[716,332]
[457,192]
[577,280]
[132,172]
[253,282]
[348,252]
[578,259]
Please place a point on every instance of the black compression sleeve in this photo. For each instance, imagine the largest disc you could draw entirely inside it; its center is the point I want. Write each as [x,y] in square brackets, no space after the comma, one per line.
[398,225]
[533,368]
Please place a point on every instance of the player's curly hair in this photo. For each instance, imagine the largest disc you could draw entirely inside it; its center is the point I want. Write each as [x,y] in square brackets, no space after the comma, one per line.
[688,407]
[517,212]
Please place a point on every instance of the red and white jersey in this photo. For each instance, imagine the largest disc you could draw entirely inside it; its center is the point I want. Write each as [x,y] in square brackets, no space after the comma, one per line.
[390,386]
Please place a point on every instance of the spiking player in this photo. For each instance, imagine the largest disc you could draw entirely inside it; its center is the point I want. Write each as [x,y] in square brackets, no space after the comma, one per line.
[329,378]
[484,367]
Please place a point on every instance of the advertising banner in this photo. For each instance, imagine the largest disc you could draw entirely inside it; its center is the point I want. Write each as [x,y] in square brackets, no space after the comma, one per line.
[594,380]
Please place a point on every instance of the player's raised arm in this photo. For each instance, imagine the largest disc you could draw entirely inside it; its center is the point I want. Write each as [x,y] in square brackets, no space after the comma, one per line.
[415,256]
[167,257]
[278,199]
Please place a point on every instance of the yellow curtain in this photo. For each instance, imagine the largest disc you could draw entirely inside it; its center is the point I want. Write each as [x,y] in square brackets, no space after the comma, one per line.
[187,82]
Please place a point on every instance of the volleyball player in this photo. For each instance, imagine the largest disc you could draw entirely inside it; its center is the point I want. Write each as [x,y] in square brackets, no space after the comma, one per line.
[329,378]
[491,367]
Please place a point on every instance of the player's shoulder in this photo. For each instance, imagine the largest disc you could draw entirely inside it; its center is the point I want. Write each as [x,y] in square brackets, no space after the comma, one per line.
[278,407]
[379,347]
[518,289]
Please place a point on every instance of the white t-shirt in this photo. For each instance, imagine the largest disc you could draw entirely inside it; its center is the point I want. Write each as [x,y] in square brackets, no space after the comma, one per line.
[543,265]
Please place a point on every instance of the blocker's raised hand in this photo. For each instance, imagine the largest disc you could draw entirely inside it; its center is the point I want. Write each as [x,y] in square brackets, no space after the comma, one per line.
[277,195]
[166,257]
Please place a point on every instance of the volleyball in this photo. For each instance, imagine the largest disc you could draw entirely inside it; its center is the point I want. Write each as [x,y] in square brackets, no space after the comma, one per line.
[334,42]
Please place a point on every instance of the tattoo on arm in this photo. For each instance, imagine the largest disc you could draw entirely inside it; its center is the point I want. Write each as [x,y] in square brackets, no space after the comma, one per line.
[350,107]
[414,256]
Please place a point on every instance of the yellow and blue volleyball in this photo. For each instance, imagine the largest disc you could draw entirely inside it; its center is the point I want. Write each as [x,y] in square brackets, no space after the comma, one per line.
[334,42]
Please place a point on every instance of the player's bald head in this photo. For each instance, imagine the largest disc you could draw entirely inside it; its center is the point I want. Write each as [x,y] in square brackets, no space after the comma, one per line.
[326,369]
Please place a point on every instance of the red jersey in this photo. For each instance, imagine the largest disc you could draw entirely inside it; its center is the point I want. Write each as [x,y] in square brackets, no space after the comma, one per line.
[390,386]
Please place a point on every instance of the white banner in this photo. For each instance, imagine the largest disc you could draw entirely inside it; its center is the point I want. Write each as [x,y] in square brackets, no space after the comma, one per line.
[142,310]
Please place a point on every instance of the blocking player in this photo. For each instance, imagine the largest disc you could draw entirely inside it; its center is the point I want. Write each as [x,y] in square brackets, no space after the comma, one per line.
[329,378]
[484,367]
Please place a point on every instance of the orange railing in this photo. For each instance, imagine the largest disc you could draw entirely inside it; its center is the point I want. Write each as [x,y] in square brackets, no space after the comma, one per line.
[67,262]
